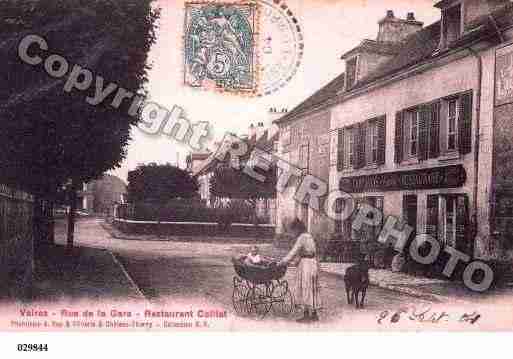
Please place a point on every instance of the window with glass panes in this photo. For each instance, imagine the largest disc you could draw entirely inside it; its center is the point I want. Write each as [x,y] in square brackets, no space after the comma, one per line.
[412,117]
[452,121]
[349,150]
[373,142]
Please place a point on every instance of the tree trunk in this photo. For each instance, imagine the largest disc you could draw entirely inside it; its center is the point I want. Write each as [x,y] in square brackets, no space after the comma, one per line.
[71,216]
[51,223]
[159,220]
[37,230]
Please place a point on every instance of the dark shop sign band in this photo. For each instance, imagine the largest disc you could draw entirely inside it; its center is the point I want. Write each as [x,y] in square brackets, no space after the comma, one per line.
[431,178]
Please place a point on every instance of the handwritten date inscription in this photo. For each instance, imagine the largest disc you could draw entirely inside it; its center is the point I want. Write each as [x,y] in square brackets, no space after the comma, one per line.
[425,315]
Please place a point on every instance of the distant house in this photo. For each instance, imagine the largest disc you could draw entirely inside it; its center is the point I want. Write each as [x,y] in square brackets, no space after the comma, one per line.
[259,136]
[101,196]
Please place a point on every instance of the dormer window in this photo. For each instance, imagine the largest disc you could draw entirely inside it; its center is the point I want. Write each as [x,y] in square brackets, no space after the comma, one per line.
[351,66]
[452,25]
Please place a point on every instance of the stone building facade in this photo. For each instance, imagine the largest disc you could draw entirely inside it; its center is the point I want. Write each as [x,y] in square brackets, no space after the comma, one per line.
[416,129]
[304,143]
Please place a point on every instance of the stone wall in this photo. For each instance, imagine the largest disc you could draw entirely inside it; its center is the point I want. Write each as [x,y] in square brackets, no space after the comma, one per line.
[16,244]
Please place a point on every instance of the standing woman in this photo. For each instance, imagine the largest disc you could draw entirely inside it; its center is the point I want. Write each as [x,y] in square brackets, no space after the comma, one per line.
[307,276]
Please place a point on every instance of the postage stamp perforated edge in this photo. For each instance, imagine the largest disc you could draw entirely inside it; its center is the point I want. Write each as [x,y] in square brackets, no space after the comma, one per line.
[246,92]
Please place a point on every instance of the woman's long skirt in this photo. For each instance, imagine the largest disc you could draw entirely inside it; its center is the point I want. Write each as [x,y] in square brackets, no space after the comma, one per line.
[307,283]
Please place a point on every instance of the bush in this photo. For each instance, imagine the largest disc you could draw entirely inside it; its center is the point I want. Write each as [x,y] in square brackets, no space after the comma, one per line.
[193,210]
[175,211]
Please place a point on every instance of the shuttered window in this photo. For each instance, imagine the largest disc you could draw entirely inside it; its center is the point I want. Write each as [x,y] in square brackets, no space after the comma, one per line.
[444,125]
[399,139]
[429,131]
[340,149]
[333,147]
[465,124]
[452,121]
[424,123]
[411,124]
[349,147]
[372,142]
[381,139]
[434,131]
[359,145]
[362,144]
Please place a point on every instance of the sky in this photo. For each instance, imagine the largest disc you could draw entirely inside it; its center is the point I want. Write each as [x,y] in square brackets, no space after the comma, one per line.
[329,27]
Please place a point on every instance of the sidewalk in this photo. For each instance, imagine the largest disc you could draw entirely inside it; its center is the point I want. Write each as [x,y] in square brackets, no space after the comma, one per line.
[87,273]
[423,288]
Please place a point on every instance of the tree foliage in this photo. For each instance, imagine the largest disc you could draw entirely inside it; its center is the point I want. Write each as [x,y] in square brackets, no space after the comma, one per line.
[228,182]
[50,136]
[160,183]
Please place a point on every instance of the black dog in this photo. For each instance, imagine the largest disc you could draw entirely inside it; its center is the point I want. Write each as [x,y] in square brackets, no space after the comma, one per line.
[357,281]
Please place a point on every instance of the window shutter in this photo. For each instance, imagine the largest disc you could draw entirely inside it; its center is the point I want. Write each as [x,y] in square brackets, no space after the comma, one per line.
[382,139]
[368,143]
[360,145]
[424,123]
[340,152]
[465,124]
[333,148]
[434,131]
[399,137]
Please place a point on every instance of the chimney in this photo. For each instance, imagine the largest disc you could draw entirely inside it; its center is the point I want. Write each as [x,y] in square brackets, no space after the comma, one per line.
[395,30]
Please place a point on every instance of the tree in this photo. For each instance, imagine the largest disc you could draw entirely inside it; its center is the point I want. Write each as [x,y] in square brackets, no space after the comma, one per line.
[153,183]
[234,184]
[49,137]
[228,182]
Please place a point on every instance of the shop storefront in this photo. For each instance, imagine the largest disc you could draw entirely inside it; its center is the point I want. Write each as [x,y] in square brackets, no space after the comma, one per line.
[431,201]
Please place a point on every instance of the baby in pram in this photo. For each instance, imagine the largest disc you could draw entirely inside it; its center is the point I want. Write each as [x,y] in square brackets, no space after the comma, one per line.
[254,258]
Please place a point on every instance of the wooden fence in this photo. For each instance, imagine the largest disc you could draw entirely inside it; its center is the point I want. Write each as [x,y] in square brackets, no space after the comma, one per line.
[16,243]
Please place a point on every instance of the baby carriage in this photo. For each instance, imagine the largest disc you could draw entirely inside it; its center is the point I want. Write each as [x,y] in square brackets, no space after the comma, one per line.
[259,289]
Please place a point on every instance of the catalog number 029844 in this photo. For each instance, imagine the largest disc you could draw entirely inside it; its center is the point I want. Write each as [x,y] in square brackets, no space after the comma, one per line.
[32,347]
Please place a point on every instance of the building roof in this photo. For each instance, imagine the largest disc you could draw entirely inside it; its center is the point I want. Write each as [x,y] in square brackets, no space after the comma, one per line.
[263,143]
[416,48]
[319,97]
[377,47]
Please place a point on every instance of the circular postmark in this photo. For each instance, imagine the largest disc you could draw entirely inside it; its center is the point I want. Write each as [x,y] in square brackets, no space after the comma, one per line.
[280,46]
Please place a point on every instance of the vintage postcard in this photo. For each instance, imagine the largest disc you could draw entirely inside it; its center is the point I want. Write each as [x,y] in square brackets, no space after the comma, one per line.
[256,165]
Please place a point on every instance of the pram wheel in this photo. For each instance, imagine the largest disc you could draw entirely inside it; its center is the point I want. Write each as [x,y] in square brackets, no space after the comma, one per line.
[258,289]
[239,297]
[283,302]
[258,301]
